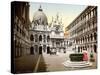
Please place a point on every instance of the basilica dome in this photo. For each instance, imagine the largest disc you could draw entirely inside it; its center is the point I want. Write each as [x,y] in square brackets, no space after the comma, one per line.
[39,17]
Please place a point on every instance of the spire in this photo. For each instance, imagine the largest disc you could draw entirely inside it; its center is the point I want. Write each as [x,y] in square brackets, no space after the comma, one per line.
[52,18]
[57,16]
[61,20]
[40,9]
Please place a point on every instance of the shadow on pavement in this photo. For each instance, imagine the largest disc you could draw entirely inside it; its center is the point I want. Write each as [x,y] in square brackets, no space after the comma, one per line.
[25,64]
[42,66]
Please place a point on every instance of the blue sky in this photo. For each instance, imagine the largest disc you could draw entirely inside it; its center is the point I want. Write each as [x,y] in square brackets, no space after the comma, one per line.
[67,12]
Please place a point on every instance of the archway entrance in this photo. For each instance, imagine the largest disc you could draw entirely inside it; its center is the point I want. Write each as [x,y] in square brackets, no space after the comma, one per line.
[48,50]
[31,50]
[40,50]
[40,38]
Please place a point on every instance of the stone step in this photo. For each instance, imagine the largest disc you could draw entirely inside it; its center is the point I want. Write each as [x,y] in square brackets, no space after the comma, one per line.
[82,62]
[77,64]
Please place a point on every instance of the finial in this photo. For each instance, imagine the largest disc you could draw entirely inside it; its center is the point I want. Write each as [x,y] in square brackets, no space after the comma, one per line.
[40,9]
[57,16]
[52,18]
[40,6]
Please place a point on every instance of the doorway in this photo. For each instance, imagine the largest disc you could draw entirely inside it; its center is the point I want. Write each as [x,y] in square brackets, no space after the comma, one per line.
[48,50]
[31,50]
[40,50]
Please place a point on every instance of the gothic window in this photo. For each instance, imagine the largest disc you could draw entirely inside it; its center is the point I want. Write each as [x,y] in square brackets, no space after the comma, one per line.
[95,36]
[95,48]
[83,39]
[61,43]
[40,38]
[31,37]
[78,49]
[48,38]
[88,37]
[91,37]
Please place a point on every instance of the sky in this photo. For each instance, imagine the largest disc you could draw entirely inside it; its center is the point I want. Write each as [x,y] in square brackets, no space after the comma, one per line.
[67,12]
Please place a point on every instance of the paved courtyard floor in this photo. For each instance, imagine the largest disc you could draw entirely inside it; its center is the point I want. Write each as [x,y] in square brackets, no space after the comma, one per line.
[45,63]
[54,63]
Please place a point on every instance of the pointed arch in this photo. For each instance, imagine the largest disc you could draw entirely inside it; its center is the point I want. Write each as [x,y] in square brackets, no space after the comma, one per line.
[40,38]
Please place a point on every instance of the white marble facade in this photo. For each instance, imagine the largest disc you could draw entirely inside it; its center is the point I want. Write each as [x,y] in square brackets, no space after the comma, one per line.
[46,38]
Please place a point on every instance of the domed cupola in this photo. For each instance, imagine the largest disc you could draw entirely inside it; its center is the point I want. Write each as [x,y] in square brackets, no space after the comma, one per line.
[39,17]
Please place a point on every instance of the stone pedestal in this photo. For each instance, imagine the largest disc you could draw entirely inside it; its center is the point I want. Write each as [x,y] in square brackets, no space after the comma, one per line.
[77,64]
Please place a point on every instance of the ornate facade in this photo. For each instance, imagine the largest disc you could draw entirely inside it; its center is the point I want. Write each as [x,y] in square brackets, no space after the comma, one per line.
[20,28]
[46,38]
[83,31]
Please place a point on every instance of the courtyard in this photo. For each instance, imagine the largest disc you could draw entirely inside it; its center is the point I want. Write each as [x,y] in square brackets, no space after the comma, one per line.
[46,63]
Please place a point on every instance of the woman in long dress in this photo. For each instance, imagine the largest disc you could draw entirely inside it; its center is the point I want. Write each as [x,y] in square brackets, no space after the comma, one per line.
[85,56]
